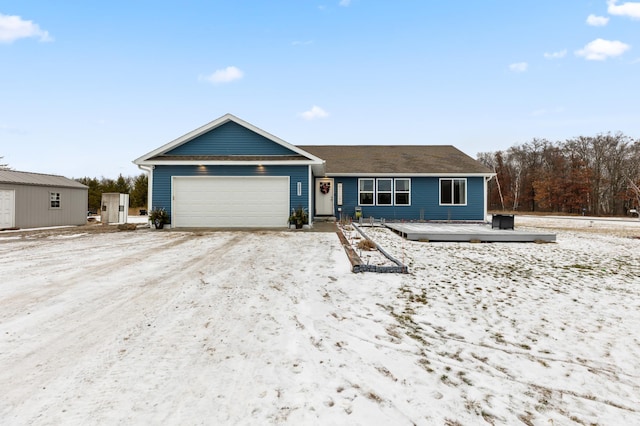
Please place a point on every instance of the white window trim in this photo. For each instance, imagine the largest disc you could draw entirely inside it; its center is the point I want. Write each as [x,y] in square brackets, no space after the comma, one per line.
[395,191]
[373,192]
[390,192]
[466,191]
[55,196]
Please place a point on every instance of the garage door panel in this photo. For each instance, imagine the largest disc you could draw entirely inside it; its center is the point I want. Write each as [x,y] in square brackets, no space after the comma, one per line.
[230,201]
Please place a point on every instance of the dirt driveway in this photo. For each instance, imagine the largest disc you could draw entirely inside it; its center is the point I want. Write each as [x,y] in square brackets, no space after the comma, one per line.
[111,327]
[273,328]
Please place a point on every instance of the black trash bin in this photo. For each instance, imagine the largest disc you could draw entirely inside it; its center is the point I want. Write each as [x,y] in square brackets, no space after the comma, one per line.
[502,221]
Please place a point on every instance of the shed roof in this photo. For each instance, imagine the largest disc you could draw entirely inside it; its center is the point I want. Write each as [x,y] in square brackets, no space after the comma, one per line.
[38,179]
[396,159]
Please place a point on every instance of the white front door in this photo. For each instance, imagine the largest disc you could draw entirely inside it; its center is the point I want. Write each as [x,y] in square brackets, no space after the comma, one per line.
[324,197]
[7,208]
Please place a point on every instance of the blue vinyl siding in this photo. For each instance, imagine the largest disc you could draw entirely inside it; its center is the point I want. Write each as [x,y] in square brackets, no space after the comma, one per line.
[425,201]
[230,139]
[162,180]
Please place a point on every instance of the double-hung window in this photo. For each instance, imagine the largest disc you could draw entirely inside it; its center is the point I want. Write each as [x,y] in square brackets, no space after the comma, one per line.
[54,200]
[385,192]
[366,189]
[403,192]
[453,192]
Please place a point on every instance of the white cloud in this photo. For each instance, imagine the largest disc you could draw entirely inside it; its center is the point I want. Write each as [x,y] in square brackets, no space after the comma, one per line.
[345,3]
[13,28]
[225,75]
[630,9]
[301,43]
[599,49]
[519,67]
[597,21]
[314,113]
[556,55]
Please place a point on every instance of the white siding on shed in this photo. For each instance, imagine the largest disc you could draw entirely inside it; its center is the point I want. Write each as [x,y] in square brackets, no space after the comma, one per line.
[230,201]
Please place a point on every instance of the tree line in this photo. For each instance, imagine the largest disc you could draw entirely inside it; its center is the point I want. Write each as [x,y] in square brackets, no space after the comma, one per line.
[135,186]
[594,175]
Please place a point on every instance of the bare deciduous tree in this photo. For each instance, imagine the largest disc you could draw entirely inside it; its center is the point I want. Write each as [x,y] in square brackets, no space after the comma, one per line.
[595,174]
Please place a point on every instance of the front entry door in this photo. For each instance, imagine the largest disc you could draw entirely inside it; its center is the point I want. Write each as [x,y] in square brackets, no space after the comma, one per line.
[324,197]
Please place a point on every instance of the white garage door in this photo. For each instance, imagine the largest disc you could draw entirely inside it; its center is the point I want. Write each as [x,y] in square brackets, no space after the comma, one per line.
[7,208]
[230,201]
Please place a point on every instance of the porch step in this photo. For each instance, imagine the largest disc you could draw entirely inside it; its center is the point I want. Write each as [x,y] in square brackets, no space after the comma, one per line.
[324,219]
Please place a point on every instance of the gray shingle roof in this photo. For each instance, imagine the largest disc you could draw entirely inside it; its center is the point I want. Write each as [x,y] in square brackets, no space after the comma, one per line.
[395,159]
[27,178]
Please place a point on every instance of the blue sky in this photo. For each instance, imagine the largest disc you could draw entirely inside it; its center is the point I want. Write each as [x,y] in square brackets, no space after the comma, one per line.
[87,87]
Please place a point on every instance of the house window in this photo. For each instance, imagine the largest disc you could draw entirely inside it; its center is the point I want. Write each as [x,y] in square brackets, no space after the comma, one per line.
[365,191]
[54,200]
[403,192]
[453,191]
[385,192]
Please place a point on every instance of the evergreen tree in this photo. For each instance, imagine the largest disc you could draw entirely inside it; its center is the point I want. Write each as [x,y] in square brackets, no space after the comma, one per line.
[139,191]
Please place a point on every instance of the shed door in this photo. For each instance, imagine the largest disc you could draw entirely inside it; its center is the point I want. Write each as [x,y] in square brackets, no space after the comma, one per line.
[230,201]
[7,208]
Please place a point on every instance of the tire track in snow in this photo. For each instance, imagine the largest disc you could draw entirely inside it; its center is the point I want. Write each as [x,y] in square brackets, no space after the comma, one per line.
[120,302]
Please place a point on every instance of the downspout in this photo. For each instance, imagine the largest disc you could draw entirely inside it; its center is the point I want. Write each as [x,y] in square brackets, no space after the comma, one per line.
[486,200]
[149,170]
[311,187]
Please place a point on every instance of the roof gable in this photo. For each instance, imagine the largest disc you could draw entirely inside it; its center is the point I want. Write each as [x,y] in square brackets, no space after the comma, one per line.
[226,139]
[396,159]
[230,138]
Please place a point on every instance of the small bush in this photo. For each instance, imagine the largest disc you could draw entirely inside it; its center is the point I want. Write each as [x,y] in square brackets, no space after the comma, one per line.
[366,244]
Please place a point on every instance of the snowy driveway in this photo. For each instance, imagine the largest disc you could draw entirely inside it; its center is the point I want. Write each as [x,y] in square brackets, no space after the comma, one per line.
[272,327]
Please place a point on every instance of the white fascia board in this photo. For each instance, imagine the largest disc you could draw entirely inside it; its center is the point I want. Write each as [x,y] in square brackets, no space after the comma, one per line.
[183,139]
[216,123]
[229,163]
[489,175]
[273,138]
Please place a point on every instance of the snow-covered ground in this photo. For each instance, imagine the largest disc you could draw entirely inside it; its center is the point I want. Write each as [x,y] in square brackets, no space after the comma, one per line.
[166,327]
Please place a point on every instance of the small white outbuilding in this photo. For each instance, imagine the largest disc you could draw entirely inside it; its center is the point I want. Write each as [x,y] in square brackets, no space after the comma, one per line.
[114,208]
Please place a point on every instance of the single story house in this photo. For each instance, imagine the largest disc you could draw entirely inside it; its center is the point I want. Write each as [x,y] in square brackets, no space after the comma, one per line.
[229,173]
[33,200]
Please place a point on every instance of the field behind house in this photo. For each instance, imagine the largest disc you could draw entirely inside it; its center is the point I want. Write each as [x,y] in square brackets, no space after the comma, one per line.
[272,328]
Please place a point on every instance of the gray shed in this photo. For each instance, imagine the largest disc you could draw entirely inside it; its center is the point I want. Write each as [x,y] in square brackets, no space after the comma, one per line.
[33,200]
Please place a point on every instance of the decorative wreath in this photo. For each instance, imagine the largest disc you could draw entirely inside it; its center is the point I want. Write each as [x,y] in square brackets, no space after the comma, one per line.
[325,187]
